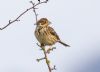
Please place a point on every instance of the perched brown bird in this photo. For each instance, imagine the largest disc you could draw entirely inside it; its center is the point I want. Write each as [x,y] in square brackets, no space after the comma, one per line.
[46,34]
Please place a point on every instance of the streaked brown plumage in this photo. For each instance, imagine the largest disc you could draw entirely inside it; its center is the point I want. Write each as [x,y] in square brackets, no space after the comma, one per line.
[46,34]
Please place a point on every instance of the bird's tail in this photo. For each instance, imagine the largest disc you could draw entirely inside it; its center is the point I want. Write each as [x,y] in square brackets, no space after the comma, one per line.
[64,44]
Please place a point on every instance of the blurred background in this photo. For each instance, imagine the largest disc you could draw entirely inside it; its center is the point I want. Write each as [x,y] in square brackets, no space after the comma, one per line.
[77,22]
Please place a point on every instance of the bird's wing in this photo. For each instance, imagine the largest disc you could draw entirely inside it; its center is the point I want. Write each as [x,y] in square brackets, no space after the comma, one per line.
[52,31]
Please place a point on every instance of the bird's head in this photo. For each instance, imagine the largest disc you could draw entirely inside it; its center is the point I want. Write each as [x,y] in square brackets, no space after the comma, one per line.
[43,22]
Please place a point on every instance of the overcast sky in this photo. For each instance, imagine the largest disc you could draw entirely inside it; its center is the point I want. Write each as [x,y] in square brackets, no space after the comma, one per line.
[77,22]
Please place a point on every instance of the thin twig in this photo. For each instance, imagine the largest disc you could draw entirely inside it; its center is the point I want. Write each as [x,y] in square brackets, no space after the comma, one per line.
[17,19]
[40,59]
[50,49]
[46,59]
[34,10]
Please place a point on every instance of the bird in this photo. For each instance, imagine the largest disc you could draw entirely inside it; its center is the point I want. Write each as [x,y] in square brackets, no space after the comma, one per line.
[45,34]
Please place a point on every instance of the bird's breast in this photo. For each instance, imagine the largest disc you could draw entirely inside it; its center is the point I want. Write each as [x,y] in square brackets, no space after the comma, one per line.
[44,36]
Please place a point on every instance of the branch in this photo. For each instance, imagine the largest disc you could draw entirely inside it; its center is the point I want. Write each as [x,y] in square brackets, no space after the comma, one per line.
[17,19]
[50,49]
[47,61]
[46,57]
[34,10]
